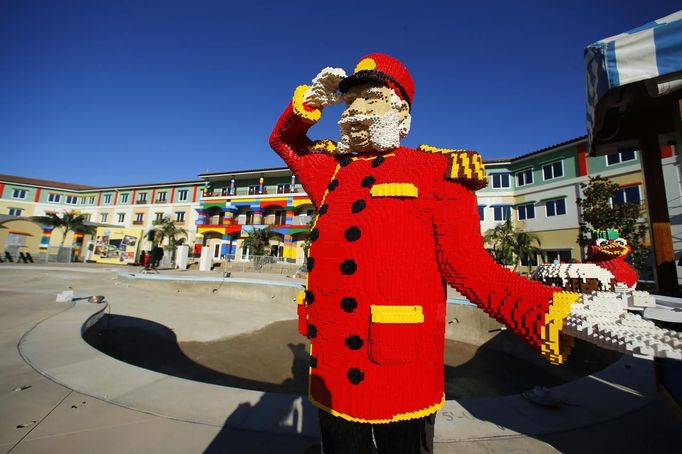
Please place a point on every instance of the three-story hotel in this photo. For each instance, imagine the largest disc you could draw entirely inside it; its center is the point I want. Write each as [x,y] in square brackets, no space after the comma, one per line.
[538,191]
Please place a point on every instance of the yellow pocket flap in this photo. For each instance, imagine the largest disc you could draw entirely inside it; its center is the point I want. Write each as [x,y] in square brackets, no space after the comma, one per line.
[397,314]
[394,190]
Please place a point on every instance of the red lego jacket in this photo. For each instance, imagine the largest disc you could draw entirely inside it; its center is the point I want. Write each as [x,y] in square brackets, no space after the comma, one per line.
[392,230]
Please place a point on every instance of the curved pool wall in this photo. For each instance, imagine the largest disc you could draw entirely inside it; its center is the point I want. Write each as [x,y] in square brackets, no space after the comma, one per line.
[56,349]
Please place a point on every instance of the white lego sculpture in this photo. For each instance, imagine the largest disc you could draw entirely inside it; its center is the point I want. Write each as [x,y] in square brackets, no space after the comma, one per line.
[601,318]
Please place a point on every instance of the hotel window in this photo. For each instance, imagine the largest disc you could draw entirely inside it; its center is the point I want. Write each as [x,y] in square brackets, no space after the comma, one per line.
[19,194]
[283,188]
[54,198]
[182,195]
[158,217]
[555,207]
[14,211]
[86,216]
[139,218]
[107,199]
[121,217]
[623,156]
[249,217]
[526,211]
[91,200]
[280,217]
[630,194]
[481,210]
[501,212]
[124,198]
[179,216]
[71,199]
[103,217]
[161,196]
[500,180]
[559,255]
[553,170]
[254,190]
[142,197]
[524,178]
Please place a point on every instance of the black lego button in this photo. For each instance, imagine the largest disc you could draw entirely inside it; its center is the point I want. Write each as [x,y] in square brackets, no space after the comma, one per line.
[354,342]
[355,375]
[352,233]
[333,184]
[309,296]
[348,267]
[349,304]
[368,181]
[358,206]
[312,332]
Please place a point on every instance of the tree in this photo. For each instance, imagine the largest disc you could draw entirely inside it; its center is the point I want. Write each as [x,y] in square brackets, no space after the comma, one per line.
[511,245]
[501,239]
[165,228]
[600,213]
[258,241]
[68,221]
[526,245]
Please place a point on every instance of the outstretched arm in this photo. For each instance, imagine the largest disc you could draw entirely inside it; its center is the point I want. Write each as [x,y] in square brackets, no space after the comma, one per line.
[531,310]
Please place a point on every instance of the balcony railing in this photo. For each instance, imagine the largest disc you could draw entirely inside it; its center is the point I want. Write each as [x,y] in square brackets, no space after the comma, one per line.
[301,220]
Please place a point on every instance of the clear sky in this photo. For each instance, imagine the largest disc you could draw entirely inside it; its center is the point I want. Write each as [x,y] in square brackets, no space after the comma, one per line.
[108,92]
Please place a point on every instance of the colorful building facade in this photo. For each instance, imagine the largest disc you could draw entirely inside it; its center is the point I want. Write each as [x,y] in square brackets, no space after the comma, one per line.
[538,191]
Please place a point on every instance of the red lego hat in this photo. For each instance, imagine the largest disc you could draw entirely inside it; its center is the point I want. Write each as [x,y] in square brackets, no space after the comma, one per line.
[385,70]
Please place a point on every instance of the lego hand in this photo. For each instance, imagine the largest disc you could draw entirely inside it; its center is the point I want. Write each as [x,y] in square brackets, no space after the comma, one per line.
[324,90]
[602,319]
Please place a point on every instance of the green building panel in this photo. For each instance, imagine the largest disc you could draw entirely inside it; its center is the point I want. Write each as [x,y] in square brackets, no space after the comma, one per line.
[599,164]
[29,195]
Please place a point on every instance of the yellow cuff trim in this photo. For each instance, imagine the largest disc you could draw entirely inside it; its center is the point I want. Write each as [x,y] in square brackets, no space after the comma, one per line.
[553,350]
[324,145]
[394,190]
[399,417]
[300,297]
[297,104]
[397,314]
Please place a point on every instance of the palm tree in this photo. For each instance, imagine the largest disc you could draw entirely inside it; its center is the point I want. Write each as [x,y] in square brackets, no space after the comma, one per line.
[257,241]
[526,245]
[501,238]
[68,221]
[166,228]
[510,244]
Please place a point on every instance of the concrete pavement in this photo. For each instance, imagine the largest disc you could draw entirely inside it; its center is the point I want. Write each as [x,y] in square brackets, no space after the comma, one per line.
[46,416]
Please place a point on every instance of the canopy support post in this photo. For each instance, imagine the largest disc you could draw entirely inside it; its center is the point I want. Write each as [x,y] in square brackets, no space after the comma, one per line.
[665,272]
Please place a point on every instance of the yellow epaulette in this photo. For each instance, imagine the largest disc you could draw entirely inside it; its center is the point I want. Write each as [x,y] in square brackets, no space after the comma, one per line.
[465,166]
[325,145]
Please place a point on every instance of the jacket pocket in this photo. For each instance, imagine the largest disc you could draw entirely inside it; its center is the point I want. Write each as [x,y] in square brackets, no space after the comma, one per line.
[394,333]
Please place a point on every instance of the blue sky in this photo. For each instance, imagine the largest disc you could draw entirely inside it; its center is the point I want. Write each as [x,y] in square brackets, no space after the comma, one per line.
[134,91]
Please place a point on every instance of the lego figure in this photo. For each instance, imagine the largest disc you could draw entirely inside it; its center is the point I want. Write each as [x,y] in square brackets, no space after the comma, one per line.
[374,306]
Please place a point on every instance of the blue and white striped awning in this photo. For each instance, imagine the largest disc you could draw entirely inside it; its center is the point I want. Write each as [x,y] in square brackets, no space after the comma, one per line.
[647,52]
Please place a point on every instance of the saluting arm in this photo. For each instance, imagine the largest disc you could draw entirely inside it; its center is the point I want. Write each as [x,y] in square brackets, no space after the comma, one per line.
[310,161]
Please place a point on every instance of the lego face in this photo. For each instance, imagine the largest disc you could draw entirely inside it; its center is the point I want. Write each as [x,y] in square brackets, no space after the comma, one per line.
[373,116]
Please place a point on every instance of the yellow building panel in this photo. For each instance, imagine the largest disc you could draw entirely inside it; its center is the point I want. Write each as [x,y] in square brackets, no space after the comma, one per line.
[302,201]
